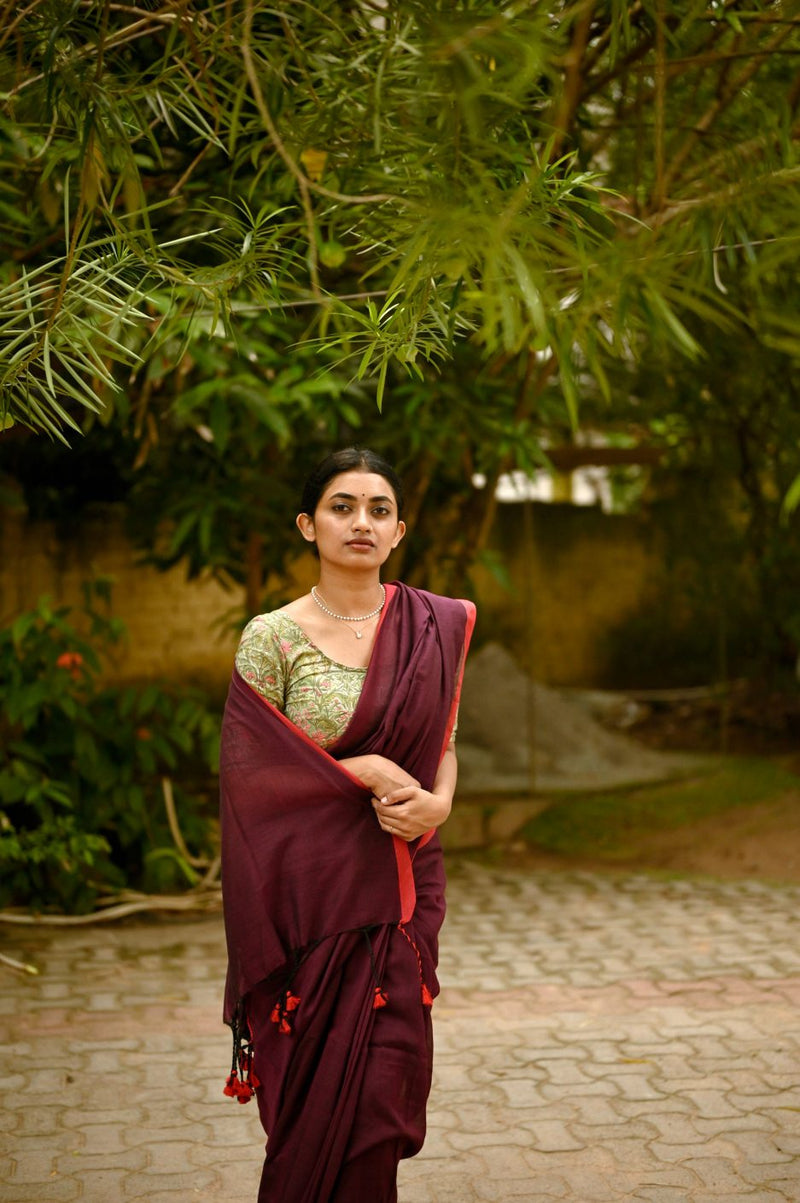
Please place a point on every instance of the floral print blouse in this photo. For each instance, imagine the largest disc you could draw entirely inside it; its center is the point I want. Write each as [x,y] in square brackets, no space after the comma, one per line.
[317,694]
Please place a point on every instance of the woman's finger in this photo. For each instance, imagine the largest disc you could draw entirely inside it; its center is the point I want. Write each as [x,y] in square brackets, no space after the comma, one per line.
[403,794]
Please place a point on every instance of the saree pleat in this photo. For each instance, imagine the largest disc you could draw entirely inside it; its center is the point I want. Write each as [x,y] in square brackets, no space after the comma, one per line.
[350,1088]
[332,925]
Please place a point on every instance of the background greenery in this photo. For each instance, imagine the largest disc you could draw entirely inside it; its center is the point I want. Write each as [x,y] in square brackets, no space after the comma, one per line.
[234,235]
[81,805]
[230,228]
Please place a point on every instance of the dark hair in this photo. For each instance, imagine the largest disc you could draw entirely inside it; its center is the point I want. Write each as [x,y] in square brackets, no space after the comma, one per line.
[349,459]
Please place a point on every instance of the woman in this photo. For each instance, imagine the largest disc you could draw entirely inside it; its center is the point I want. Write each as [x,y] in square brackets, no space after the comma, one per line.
[337,767]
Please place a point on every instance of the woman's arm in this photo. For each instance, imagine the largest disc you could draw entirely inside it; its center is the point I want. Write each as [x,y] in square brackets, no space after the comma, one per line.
[409,811]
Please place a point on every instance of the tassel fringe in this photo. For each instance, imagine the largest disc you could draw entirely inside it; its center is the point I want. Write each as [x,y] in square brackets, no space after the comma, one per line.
[283,1013]
[425,994]
[242,1082]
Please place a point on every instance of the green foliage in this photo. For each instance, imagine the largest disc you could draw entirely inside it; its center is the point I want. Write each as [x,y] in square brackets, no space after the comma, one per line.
[80,796]
[559,178]
[726,602]
[217,470]
[229,229]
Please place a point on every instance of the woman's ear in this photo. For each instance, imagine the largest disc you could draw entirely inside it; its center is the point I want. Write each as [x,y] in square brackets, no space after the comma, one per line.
[305,524]
[401,530]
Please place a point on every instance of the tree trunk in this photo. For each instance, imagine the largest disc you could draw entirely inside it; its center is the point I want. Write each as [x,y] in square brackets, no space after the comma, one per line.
[254,565]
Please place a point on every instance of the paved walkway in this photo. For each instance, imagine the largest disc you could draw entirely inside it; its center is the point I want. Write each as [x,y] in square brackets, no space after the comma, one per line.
[598,1039]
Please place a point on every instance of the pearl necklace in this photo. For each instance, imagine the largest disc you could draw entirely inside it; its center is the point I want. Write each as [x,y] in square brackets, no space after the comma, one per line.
[349,617]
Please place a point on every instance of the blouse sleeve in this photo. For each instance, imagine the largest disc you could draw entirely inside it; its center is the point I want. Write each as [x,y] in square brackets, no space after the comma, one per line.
[261,662]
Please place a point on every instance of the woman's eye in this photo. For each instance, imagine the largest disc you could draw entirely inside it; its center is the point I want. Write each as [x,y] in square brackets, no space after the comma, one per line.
[381,511]
[341,508]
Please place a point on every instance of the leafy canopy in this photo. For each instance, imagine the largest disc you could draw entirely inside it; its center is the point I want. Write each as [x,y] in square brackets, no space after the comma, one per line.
[567,180]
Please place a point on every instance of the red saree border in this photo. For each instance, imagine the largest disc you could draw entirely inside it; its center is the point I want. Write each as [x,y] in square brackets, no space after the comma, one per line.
[406,889]
[299,732]
[472,614]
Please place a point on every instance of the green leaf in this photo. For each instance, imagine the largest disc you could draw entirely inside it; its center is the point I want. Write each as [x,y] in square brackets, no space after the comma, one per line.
[791,499]
[21,626]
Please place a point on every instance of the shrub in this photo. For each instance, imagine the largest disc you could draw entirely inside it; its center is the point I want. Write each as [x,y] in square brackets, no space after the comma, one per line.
[81,806]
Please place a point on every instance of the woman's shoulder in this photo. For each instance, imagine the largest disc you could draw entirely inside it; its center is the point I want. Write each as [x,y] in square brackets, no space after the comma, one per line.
[438,601]
[267,649]
[268,628]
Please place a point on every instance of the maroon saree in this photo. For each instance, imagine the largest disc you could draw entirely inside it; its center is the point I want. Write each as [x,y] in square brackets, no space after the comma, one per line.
[332,925]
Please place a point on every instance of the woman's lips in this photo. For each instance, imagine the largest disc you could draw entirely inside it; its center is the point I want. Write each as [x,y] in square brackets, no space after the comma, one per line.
[364,543]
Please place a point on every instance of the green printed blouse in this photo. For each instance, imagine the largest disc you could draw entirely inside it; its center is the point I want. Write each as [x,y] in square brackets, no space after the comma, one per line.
[317,694]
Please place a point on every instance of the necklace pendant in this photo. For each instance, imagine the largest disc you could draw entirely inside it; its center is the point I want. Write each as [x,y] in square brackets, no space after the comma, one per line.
[358,634]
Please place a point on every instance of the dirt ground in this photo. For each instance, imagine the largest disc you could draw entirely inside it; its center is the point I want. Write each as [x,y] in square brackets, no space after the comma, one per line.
[760,841]
[755,841]
[590,740]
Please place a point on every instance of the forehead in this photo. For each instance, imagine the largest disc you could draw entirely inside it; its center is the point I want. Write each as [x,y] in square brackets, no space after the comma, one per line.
[359,484]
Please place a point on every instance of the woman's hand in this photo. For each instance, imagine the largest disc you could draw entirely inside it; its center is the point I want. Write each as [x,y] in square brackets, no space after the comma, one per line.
[410,811]
[402,807]
[378,774]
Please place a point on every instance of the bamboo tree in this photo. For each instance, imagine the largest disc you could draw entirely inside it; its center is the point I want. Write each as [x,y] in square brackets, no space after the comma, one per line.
[406,175]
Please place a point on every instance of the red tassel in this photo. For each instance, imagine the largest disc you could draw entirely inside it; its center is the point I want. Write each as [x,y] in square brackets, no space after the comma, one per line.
[282,1010]
[427,997]
[234,1089]
[241,1083]
[380,1000]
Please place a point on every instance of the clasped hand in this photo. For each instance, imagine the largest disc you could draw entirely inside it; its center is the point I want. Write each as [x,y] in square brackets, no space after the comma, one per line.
[403,808]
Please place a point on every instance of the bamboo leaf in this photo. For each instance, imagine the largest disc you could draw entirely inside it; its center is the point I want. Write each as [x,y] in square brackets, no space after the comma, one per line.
[791,500]
[48,371]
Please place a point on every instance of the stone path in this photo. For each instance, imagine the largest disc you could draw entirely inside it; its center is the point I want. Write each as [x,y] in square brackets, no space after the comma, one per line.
[598,1039]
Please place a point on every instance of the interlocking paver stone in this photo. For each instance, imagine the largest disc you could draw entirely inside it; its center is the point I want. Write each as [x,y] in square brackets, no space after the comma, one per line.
[599,1038]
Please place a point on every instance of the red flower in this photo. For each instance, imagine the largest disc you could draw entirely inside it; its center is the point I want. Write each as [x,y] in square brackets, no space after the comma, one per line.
[143,733]
[72,662]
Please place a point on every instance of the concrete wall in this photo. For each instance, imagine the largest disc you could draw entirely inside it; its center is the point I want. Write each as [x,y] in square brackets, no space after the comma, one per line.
[575,575]
[176,627]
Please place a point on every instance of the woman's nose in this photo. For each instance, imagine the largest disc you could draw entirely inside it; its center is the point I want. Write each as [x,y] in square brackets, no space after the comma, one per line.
[361,519]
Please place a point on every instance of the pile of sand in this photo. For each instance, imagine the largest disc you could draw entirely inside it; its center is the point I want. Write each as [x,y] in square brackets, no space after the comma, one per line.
[504,715]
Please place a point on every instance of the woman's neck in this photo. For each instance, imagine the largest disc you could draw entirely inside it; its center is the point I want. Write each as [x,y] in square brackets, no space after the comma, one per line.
[348,593]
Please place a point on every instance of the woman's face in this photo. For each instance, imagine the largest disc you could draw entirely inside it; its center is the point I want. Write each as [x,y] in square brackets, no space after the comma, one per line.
[355,522]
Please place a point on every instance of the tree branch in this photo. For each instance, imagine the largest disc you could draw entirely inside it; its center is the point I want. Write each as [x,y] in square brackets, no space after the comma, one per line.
[277,141]
[660,93]
[571,93]
[719,104]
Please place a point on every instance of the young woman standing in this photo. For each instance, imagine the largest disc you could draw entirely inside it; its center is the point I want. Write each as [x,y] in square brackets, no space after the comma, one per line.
[338,766]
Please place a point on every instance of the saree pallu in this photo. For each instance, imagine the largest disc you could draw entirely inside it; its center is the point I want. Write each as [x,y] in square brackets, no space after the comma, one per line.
[332,925]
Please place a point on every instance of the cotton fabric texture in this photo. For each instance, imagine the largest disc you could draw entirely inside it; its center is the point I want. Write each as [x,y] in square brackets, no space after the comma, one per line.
[332,925]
